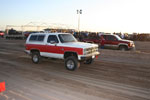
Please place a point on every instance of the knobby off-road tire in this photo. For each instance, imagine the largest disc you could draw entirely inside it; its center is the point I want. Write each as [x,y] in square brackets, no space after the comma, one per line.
[36,58]
[72,63]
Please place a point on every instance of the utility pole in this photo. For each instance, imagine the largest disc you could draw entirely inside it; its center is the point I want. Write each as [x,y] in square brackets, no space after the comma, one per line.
[79,11]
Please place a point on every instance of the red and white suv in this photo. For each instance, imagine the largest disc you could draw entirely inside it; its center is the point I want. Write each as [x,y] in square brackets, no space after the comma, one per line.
[61,46]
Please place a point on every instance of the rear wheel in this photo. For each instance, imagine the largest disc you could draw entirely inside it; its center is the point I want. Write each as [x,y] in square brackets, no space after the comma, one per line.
[71,63]
[36,57]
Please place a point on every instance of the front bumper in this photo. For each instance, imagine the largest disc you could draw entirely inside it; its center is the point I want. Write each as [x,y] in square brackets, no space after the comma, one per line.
[132,47]
[85,57]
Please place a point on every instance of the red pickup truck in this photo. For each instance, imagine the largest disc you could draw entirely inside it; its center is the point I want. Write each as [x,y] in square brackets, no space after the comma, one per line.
[112,42]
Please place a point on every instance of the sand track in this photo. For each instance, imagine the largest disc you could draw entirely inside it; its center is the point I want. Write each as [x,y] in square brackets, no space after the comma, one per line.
[115,75]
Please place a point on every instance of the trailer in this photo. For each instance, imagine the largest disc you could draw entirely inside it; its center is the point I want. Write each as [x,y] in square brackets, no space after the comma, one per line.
[13,34]
[14,37]
[22,32]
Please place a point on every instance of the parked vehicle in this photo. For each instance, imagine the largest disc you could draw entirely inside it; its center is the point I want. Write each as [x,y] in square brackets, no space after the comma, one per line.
[1,34]
[13,34]
[60,46]
[112,42]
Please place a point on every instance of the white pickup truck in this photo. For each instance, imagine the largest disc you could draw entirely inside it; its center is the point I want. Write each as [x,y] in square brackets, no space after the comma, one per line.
[61,46]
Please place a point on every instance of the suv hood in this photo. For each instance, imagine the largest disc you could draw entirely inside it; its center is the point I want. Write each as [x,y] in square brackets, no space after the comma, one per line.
[79,45]
[123,40]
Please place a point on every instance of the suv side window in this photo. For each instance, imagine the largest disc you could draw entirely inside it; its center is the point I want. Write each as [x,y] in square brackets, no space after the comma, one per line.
[111,38]
[52,38]
[37,38]
[33,38]
[104,36]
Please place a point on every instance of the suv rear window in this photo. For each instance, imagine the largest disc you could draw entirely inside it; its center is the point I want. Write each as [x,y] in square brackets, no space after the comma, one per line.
[33,38]
[37,38]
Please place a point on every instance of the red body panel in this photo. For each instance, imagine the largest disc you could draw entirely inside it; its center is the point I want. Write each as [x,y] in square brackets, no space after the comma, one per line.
[91,40]
[54,49]
[110,42]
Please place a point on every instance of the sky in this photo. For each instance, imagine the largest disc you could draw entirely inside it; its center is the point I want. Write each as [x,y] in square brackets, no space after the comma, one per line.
[97,15]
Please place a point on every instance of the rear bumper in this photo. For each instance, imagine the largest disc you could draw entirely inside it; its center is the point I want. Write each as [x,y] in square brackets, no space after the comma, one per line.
[27,52]
[85,57]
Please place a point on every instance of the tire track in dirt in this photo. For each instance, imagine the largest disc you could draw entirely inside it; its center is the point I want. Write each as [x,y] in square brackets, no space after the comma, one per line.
[79,78]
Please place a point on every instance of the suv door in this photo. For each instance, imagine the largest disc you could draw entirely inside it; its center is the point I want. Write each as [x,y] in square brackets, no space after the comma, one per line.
[52,48]
[111,42]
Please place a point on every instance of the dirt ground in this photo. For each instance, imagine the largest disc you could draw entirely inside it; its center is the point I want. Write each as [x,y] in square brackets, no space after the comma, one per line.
[143,46]
[115,75]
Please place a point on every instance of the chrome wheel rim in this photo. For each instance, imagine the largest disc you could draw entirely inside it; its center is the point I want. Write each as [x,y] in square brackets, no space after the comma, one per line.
[70,64]
[35,58]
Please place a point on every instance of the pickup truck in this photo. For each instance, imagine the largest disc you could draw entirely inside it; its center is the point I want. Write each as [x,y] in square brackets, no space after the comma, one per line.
[61,46]
[112,42]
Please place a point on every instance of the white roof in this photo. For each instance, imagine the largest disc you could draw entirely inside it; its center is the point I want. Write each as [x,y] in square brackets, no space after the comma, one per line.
[49,33]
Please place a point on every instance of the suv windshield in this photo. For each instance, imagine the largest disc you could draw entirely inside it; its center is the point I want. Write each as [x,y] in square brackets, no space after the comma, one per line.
[67,38]
[118,37]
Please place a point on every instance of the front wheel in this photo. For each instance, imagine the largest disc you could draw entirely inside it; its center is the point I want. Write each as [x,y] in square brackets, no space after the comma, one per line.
[89,61]
[123,48]
[71,63]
